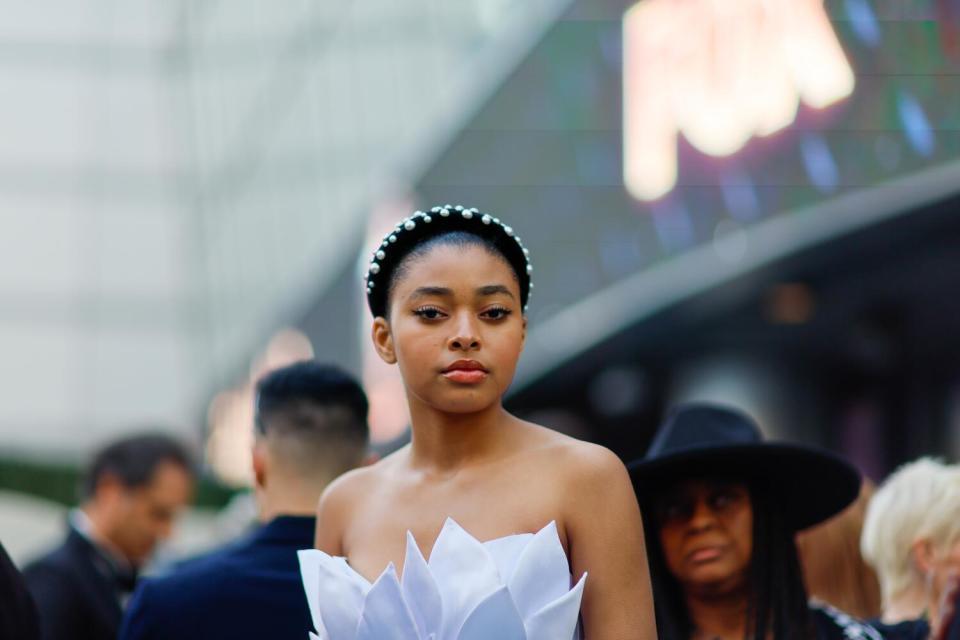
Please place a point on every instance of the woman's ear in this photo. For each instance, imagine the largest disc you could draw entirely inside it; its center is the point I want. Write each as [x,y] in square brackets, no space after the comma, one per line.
[523,336]
[922,555]
[383,340]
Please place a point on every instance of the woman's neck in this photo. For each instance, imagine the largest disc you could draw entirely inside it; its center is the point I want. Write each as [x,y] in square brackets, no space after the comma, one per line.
[909,604]
[720,616]
[447,441]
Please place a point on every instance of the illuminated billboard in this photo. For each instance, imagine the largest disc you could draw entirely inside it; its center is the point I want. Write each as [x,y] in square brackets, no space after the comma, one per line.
[752,137]
[720,72]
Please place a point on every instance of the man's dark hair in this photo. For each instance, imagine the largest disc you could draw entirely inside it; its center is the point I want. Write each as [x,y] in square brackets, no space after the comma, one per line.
[777,603]
[321,406]
[133,460]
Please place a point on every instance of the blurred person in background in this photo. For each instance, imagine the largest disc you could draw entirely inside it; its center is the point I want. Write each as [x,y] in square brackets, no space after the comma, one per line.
[311,426]
[911,537]
[18,614]
[833,568]
[130,497]
[721,509]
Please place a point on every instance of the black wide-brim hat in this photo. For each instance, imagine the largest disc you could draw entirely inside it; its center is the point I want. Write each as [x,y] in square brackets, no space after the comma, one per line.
[701,440]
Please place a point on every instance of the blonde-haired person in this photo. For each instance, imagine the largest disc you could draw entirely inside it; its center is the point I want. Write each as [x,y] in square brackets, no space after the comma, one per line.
[911,537]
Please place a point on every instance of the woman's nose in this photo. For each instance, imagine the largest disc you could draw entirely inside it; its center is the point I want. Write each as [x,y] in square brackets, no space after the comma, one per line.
[466,336]
[703,516]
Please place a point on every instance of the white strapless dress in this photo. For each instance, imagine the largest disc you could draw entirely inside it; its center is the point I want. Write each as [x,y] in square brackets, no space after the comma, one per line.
[512,588]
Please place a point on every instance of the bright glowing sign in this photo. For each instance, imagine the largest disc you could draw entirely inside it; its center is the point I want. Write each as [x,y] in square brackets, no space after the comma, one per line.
[720,72]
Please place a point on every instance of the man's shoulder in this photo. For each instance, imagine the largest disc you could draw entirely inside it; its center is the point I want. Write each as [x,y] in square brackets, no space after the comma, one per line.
[62,560]
[190,575]
[223,592]
[194,581]
[226,569]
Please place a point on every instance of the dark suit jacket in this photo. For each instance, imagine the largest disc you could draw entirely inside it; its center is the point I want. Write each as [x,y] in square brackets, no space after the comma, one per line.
[77,590]
[18,615]
[249,590]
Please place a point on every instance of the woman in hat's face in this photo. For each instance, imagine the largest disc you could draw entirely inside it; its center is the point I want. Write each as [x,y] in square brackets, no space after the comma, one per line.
[706,532]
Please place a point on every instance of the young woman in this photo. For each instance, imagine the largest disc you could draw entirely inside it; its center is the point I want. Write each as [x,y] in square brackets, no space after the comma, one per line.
[722,508]
[448,290]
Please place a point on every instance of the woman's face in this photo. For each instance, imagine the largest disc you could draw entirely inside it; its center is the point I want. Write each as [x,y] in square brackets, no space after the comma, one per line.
[706,532]
[456,328]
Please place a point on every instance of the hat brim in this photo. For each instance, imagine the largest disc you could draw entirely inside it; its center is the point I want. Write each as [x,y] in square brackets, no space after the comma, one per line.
[812,484]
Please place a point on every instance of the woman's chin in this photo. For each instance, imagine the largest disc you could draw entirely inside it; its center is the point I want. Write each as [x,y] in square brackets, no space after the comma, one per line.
[711,582]
[466,402]
[464,408]
[458,400]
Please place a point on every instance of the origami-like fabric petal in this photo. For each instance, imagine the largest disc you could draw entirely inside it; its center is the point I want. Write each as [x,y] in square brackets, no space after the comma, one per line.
[506,553]
[310,576]
[338,593]
[541,575]
[385,614]
[465,574]
[420,591]
[558,619]
[511,588]
[495,617]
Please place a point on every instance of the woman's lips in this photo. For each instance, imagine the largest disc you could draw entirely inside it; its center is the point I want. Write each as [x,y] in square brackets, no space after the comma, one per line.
[465,372]
[706,554]
[465,376]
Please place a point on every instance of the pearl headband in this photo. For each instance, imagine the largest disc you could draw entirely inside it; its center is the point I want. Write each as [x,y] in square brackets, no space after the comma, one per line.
[421,226]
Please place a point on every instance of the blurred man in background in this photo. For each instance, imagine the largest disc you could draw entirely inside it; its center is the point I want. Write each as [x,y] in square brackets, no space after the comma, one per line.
[130,497]
[311,426]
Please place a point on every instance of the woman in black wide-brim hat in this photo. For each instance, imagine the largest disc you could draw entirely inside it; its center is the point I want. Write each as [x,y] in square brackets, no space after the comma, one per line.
[721,508]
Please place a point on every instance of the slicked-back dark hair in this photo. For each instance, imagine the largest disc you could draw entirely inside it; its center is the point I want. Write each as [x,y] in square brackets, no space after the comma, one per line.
[777,602]
[289,398]
[133,460]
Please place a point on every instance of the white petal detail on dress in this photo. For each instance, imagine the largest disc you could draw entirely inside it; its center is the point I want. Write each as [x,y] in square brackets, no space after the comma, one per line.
[385,613]
[557,618]
[420,591]
[495,617]
[506,553]
[541,575]
[511,588]
[339,592]
[465,573]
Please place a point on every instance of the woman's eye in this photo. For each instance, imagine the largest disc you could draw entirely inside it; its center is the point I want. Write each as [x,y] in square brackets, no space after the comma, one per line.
[723,499]
[497,313]
[428,313]
[675,511]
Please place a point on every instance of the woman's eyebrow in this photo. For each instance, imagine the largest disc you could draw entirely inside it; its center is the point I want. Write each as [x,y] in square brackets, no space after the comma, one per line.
[493,289]
[425,292]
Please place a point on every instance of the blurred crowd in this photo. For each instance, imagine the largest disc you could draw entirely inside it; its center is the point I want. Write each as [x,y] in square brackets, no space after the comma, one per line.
[805,543]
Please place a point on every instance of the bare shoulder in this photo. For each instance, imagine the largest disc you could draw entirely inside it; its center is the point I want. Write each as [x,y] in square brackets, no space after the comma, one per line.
[578,461]
[344,496]
[351,487]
